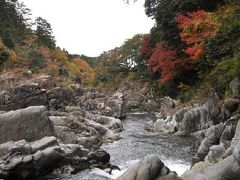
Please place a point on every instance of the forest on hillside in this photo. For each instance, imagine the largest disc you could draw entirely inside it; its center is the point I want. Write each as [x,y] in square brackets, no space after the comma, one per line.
[27,44]
[193,46]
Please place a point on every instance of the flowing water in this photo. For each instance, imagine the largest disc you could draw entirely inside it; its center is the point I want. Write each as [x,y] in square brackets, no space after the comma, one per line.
[137,143]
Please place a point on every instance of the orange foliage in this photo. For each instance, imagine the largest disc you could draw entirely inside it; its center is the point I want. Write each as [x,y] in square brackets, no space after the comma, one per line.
[196,27]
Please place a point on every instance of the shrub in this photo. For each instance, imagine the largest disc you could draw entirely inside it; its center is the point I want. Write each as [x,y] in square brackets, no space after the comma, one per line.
[224,72]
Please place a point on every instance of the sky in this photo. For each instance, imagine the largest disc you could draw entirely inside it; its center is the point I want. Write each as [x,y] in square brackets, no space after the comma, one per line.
[91,27]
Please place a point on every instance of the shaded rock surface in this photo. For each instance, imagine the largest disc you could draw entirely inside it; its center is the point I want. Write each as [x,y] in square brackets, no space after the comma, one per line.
[31,93]
[30,124]
[218,160]
[24,160]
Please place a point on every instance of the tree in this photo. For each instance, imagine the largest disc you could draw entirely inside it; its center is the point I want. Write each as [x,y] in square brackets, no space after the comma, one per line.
[44,33]
[165,62]
[196,28]
[14,22]
[164,13]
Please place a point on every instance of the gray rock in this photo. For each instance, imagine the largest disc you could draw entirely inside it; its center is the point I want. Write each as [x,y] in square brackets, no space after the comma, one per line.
[150,168]
[110,122]
[24,160]
[212,137]
[30,124]
[194,120]
[216,153]
[58,98]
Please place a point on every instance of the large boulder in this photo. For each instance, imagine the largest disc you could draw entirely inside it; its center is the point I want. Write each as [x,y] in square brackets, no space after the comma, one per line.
[150,168]
[30,124]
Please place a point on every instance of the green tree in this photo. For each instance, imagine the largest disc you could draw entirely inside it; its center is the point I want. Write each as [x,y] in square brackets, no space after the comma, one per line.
[44,33]
[14,22]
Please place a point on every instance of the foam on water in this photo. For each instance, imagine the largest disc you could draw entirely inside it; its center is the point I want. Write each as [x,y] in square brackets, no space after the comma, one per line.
[178,166]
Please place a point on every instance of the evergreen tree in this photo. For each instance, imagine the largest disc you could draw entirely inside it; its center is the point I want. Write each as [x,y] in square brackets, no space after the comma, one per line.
[44,33]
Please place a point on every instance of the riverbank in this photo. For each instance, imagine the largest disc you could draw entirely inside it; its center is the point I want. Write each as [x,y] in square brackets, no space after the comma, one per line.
[41,121]
[136,143]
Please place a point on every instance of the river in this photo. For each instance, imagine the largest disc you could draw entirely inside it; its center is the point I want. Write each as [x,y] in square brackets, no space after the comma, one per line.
[136,143]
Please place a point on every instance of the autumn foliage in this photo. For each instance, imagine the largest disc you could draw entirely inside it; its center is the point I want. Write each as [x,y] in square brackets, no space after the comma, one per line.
[166,62]
[196,28]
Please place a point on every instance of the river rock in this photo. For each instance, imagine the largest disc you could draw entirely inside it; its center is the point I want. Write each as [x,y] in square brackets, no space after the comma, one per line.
[30,124]
[99,156]
[216,153]
[89,131]
[150,168]
[110,122]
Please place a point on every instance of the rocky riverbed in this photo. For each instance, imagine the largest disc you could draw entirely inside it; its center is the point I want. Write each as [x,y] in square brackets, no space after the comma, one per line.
[48,128]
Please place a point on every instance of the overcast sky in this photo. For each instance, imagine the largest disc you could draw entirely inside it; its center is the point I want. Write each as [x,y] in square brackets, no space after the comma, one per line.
[91,26]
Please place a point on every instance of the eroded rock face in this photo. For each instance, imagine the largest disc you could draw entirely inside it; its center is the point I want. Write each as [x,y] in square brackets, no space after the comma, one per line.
[58,98]
[150,168]
[223,160]
[195,120]
[98,103]
[23,160]
[212,137]
[41,91]
[89,130]
[30,124]
[22,96]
